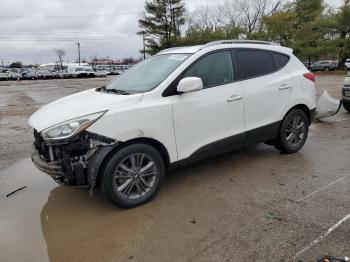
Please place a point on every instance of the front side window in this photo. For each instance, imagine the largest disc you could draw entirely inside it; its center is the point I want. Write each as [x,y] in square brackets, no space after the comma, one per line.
[149,74]
[254,63]
[214,69]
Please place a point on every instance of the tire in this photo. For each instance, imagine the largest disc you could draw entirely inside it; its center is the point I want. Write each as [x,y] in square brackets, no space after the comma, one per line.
[123,181]
[327,69]
[293,132]
[347,106]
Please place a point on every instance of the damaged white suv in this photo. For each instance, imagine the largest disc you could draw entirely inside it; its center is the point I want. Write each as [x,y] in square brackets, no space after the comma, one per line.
[180,105]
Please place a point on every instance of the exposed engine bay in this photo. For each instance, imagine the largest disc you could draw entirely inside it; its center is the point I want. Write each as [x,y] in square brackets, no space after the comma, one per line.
[74,162]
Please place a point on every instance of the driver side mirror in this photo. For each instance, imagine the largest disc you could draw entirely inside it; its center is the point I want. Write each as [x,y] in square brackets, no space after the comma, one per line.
[190,84]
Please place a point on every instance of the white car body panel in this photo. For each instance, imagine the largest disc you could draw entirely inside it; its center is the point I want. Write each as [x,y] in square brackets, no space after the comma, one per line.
[77,105]
[347,63]
[206,116]
[184,123]
[266,98]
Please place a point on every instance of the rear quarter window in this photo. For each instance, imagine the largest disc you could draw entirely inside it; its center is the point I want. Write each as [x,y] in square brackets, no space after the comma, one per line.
[254,63]
[281,60]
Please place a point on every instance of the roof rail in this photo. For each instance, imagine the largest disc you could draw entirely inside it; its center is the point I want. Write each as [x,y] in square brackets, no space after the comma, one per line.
[235,41]
[167,50]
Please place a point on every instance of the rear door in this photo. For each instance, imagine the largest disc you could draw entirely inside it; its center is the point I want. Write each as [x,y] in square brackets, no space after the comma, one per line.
[267,87]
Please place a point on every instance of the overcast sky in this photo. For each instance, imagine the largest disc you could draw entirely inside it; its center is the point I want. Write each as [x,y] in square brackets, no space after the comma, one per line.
[39,19]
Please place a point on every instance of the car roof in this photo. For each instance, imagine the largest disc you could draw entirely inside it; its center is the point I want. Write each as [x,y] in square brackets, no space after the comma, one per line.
[228,44]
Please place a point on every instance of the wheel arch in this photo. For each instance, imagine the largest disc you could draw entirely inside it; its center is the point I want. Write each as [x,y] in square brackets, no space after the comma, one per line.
[303,108]
[140,140]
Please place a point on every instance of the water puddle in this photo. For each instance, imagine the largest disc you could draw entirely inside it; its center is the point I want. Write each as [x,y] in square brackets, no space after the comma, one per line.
[48,222]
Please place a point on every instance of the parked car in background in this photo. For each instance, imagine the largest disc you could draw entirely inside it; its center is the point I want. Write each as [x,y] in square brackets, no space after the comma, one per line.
[80,71]
[308,64]
[347,64]
[4,76]
[179,106]
[114,72]
[45,74]
[346,92]
[14,75]
[30,75]
[101,73]
[61,74]
[326,65]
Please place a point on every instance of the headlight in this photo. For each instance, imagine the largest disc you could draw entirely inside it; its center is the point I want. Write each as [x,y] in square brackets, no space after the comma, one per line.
[70,128]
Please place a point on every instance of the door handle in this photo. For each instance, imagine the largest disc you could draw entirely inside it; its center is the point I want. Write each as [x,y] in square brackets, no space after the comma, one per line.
[284,87]
[234,98]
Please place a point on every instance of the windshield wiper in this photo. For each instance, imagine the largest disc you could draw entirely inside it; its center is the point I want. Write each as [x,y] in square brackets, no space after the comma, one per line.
[117,91]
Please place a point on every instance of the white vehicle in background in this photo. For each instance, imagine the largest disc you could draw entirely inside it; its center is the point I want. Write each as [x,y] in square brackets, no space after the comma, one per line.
[4,76]
[75,70]
[179,106]
[102,73]
[347,64]
[346,92]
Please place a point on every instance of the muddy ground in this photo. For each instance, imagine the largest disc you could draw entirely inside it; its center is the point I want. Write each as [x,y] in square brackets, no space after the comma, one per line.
[251,205]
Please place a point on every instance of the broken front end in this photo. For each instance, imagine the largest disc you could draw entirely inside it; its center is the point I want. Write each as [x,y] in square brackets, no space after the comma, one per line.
[74,162]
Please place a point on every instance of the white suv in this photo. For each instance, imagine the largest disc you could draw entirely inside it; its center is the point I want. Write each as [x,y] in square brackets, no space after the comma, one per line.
[181,105]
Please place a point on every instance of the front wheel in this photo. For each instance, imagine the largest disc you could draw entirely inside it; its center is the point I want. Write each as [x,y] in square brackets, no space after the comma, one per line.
[293,132]
[133,175]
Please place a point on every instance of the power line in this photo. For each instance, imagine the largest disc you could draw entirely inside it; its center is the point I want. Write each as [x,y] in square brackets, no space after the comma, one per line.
[68,16]
[70,39]
[57,32]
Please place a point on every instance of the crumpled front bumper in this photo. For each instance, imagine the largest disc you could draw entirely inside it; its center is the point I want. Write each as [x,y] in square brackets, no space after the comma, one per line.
[53,169]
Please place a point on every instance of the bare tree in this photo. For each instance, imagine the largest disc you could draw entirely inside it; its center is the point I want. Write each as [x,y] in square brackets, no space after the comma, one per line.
[253,11]
[231,12]
[206,17]
[60,53]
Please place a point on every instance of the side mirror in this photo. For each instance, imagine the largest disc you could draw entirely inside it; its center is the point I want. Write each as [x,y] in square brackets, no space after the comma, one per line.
[190,84]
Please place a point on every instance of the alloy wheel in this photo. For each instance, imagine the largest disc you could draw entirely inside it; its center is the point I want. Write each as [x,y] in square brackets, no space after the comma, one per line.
[295,131]
[135,176]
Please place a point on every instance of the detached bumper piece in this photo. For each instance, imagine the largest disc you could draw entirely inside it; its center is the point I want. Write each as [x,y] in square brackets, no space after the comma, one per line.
[327,106]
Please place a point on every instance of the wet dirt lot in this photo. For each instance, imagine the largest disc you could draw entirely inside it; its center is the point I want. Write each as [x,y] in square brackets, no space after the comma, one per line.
[251,205]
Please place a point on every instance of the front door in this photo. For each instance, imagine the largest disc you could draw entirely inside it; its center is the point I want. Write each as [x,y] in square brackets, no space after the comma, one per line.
[208,119]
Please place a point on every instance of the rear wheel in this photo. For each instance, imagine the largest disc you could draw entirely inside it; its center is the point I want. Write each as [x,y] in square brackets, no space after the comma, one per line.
[327,69]
[293,132]
[346,106]
[133,176]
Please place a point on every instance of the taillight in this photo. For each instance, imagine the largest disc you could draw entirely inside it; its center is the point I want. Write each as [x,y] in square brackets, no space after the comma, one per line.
[310,76]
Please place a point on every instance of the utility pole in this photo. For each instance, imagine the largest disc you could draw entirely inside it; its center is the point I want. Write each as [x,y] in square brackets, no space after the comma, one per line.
[78,52]
[144,46]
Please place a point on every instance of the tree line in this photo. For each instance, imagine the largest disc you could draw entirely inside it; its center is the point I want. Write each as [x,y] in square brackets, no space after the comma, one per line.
[312,28]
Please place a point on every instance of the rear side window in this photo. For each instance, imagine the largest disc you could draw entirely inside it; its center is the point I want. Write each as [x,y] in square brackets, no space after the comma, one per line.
[214,69]
[281,60]
[254,63]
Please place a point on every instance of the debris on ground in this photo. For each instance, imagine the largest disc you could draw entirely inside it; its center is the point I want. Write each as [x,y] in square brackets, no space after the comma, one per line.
[14,192]
[273,215]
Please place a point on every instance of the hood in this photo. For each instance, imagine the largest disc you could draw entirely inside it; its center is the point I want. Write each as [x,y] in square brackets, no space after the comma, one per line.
[77,105]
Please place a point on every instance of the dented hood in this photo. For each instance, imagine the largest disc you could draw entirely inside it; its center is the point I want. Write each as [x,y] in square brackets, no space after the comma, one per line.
[77,105]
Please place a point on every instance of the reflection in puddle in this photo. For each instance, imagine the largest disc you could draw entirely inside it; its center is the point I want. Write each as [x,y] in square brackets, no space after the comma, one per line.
[50,222]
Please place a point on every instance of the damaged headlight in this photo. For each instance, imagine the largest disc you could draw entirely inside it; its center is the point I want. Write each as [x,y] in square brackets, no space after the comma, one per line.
[70,128]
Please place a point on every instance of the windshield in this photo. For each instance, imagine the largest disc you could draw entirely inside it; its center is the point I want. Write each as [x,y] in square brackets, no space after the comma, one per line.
[149,74]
